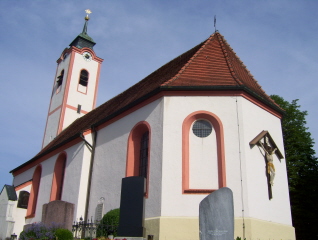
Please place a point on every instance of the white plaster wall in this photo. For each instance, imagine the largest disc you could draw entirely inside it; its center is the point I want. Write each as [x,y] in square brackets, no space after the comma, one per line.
[5,230]
[174,203]
[45,187]
[75,179]
[83,179]
[57,98]
[75,97]
[111,155]
[23,177]
[70,116]
[51,127]
[203,164]
[242,121]
[254,120]
[19,213]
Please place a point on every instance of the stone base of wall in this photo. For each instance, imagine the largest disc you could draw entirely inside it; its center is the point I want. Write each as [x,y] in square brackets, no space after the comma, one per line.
[187,228]
[259,229]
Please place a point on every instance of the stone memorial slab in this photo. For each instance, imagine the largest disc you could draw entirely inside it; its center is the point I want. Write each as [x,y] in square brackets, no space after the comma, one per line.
[216,216]
[132,200]
[99,211]
[59,212]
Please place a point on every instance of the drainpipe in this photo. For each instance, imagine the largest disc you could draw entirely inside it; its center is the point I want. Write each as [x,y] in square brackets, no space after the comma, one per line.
[90,172]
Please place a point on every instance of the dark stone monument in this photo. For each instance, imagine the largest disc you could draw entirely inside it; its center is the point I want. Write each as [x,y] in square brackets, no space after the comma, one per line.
[58,212]
[216,216]
[131,218]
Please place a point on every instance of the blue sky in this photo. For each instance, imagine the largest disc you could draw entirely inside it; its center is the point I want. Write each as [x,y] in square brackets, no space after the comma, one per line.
[276,40]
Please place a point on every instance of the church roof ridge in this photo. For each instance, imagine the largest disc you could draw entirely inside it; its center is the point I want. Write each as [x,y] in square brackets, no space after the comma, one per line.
[211,65]
[203,44]
[226,55]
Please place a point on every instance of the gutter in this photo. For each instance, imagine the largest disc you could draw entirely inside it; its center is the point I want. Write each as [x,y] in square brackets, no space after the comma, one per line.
[87,143]
[90,173]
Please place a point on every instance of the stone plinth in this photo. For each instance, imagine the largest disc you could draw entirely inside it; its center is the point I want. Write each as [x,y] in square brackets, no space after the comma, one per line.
[58,212]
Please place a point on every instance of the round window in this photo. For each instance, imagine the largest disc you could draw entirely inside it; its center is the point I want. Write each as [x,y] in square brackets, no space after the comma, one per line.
[202,128]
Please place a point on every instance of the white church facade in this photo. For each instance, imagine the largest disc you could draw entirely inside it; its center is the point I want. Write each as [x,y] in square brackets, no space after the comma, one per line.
[188,128]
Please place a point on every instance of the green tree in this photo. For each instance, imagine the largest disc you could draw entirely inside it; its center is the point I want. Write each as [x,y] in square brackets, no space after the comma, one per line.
[109,224]
[302,168]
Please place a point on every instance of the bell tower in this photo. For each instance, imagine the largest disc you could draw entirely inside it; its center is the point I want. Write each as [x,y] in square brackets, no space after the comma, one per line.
[75,84]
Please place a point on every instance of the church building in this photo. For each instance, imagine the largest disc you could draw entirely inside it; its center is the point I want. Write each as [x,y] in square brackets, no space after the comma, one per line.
[198,123]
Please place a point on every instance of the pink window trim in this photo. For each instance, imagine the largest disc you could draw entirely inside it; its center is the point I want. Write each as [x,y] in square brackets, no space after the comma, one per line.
[218,128]
[133,151]
[58,177]
[34,192]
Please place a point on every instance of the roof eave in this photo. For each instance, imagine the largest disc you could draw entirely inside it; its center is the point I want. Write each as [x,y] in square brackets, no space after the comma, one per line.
[147,96]
[188,88]
[227,88]
[46,152]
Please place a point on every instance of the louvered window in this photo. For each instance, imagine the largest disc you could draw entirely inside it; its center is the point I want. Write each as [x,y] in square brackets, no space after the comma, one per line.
[59,80]
[83,78]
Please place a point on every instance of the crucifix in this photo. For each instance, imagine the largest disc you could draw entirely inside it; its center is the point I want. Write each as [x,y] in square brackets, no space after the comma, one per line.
[267,144]
[269,152]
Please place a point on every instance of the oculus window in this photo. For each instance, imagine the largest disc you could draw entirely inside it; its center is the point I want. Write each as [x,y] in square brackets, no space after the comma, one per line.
[202,128]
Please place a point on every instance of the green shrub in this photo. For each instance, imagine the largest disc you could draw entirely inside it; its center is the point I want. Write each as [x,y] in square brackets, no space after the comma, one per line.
[42,232]
[63,234]
[109,224]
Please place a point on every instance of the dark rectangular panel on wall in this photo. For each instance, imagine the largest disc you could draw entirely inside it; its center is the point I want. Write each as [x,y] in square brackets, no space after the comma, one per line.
[132,207]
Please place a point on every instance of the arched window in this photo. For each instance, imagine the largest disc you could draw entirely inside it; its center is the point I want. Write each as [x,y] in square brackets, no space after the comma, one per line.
[23,199]
[58,178]
[83,78]
[83,81]
[143,158]
[34,192]
[138,152]
[203,160]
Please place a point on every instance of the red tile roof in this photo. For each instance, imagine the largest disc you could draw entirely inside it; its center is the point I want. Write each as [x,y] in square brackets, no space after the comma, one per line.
[211,65]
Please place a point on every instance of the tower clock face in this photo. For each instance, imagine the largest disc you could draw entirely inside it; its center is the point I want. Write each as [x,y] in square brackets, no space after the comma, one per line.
[87,56]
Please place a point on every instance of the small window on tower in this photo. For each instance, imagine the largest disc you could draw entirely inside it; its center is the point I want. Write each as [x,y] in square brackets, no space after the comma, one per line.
[79,107]
[59,81]
[83,78]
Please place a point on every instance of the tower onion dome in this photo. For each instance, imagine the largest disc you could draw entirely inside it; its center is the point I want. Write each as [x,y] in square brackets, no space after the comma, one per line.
[83,40]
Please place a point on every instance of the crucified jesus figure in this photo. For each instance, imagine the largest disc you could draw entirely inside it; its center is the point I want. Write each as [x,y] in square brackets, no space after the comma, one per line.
[269,152]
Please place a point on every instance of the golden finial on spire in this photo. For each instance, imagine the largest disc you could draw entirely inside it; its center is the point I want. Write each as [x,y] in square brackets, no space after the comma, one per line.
[87,12]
